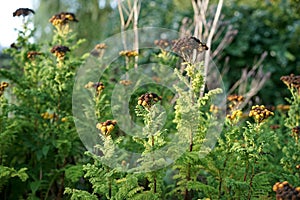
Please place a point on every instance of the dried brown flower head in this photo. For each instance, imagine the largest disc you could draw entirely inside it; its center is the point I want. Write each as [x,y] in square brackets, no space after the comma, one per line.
[99,86]
[60,51]
[283,108]
[274,126]
[296,133]
[101,46]
[284,190]
[186,46]
[260,113]
[291,81]
[98,50]
[163,43]
[3,85]
[148,99]
[23,12]
[62,18]
[106,127]
[126,82]
[32,54]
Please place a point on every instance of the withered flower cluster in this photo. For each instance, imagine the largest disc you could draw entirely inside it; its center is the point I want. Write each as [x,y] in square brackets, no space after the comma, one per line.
[283,108]
[235,101]
[285,191]
[62,18]
[98,50]
[260,113]
[3,85]
[129,53]
[292,81]
[296,132]
[126,82]
[186,46]
[106,127]
[60,51]
[148,99]
[14,46]
[99,86]
[164,43]
[32,54]
[23,12]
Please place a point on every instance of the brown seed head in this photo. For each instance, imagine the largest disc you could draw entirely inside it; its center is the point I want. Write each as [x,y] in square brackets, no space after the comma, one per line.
[62,18]
[23,12]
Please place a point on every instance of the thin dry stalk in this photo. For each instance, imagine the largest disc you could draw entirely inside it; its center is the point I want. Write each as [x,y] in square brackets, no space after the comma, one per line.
[131,12]
[255,76]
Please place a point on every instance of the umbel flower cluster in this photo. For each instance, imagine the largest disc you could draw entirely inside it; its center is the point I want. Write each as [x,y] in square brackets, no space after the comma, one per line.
[3,85]
[148,99]
[260,113]
[285,191]
[106,127]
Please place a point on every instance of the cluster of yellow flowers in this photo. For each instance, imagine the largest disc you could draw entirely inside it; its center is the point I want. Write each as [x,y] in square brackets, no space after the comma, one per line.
[127,53]
[52,116]
[3,85]
[285,191]
[106,127]
[260,113]
[235,116]
[148,99]
[47,115]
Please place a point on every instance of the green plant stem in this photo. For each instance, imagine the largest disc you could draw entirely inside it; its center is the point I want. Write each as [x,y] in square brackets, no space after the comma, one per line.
[251,183]
[246,169]
[109,185]
[154,175]
[221,178]
[188,176]
[61,188]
